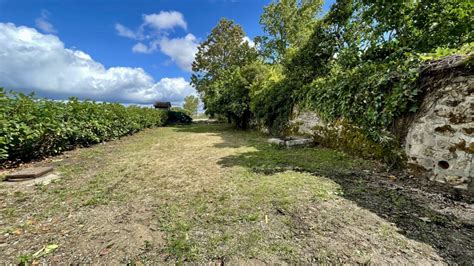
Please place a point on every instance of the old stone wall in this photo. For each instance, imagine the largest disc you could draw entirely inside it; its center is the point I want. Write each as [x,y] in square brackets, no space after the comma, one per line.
[303,122]
[440,139]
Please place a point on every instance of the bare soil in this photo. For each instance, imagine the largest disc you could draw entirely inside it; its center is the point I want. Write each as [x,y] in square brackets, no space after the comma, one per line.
[209,193]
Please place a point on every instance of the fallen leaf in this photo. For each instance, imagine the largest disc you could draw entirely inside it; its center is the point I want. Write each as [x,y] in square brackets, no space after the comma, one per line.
[45,250]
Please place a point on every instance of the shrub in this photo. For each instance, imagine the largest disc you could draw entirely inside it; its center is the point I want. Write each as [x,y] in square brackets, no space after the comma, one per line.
[178,117]
[271,99]
[32,128]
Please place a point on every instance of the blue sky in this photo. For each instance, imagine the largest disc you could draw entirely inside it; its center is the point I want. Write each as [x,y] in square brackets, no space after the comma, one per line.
[128,51]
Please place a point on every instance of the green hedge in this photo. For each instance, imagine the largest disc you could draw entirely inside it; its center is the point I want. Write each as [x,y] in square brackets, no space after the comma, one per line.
[33,128]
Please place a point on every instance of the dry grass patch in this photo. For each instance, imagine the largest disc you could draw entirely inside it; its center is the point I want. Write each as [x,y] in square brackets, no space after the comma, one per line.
[204,193]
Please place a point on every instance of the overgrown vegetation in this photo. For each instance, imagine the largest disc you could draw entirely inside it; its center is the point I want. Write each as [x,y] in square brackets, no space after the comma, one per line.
[178,116]
[359,62]
[31,127]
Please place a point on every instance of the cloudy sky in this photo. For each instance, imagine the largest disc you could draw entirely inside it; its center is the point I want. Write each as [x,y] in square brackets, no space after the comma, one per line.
[129,51]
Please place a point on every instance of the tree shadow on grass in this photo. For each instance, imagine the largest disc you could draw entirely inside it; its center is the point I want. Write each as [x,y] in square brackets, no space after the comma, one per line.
[409,210]
[417,210]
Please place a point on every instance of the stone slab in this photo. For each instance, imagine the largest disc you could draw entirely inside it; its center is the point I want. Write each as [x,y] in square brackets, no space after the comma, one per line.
[291,142]
[28,173]
[276,141]
[43,180]
[298,142]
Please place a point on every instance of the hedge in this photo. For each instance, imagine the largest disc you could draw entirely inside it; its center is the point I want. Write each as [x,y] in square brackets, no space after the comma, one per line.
[32,128]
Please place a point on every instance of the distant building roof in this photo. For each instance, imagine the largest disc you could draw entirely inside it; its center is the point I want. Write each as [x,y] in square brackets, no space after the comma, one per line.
[162,105]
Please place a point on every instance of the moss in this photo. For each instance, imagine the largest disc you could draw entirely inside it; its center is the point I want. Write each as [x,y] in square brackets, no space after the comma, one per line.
[352,140]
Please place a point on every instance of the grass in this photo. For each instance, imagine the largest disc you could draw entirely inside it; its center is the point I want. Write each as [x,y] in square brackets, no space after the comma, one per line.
[206,193]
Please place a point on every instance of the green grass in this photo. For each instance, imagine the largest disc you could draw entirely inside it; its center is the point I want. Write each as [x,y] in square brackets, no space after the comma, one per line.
[215,193]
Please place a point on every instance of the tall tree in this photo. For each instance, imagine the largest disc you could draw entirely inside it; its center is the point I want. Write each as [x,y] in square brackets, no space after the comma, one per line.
[191,103]
[216,72]
[287,23]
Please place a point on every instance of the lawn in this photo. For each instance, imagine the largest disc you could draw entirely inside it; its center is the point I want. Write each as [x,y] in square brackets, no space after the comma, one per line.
[209,193]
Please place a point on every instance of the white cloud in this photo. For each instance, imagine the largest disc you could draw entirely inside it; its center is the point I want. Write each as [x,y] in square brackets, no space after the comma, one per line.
[126,32]
[43,24]
[141,48]
[160,23]
[181,50]
[249,41]
[173,89]
[165,20]
[30,60]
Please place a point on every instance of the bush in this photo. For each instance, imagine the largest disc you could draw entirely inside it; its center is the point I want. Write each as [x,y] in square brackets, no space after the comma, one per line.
[32,128]
[181,110]
[178,117]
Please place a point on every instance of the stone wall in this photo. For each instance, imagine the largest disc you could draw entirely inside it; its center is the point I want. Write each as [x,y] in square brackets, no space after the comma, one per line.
[440,139]
[304,121]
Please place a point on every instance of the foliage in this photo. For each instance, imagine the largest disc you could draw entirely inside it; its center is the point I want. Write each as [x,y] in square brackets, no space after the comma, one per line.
[287,23]
[270,98]
[421,25]
[359,63]
[220,75]
[370,95]
[180,109]
[31,128]
[178,117]
[344,136]
[440,52]
[191,104]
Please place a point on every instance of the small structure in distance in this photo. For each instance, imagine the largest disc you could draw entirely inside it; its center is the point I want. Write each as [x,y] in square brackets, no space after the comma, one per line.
[162,105]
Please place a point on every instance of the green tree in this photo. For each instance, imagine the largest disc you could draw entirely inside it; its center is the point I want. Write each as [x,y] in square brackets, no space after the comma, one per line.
[217,72]
[191,103]
[287,24]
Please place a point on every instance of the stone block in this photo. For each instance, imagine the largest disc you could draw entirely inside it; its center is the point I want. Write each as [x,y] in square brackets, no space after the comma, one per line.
[298,142]
[276,141]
